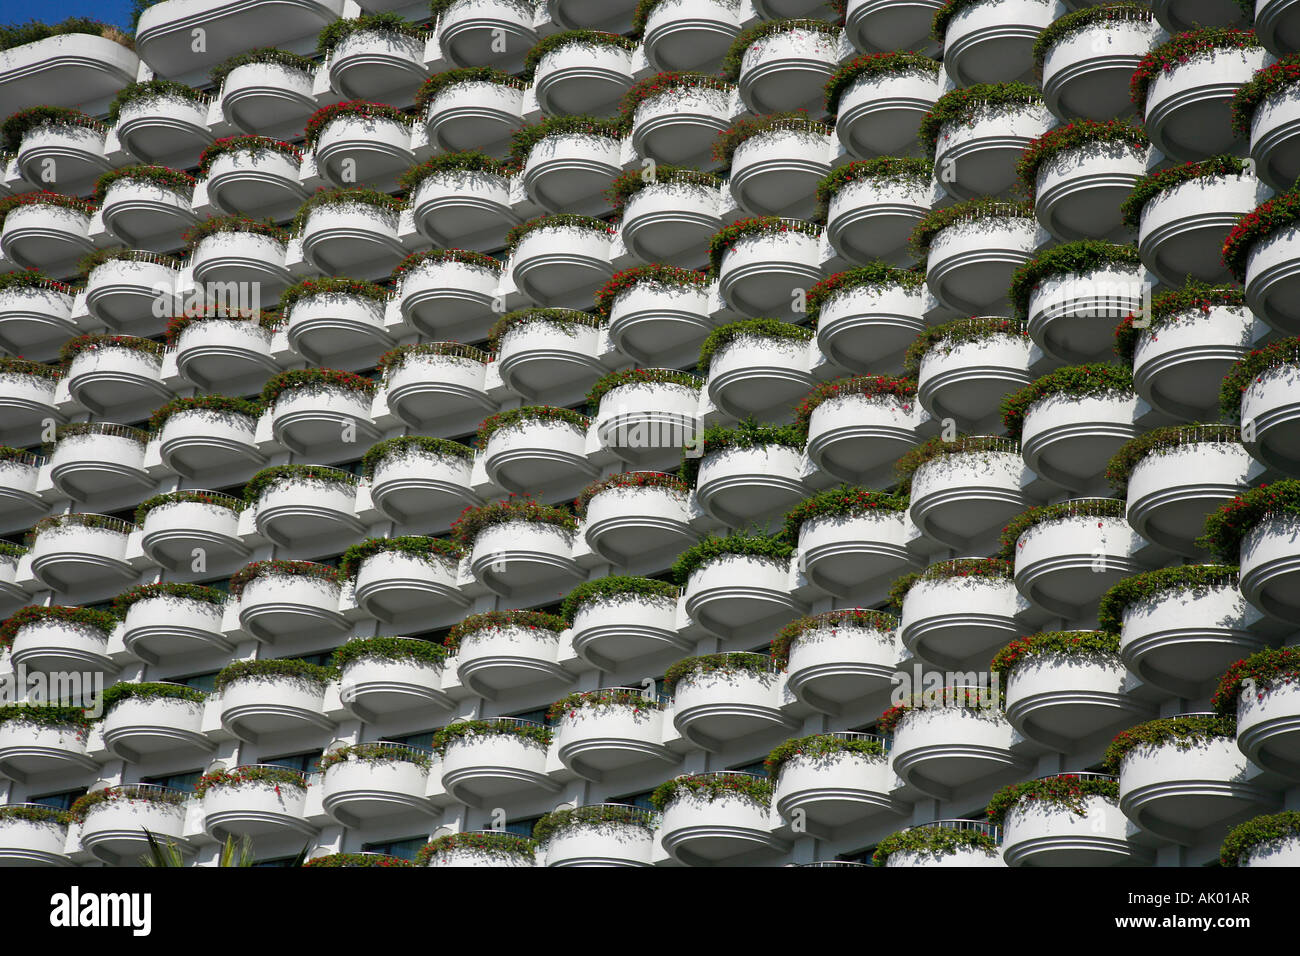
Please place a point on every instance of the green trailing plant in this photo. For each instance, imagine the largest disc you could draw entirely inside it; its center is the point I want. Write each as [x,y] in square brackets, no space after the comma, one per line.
[566,320]
[390,649]
[20,34]
[177,497]
[819,746]
[318,380]
[1073,381]
[1182,732]
[939,447]
[429,550]
[735,55]
[1195,298]
[34,117]
[347,196]
[600,815]
[534,734]
[743,130]
[712,786]
[943,16]
[215,404]
[375,752]
[1259,673]
[54,200]
[663,83]
[1252,368]
[918,171]
[735,662]
[498,844]
[331,286]
[1079,134]
[523,140]
[46,816]
[976,210]
[440,82]
[717,439]
[982,569]
[845,501]
[1072,258]
[1225,528]
[980,701]
[1161,441]
[79,520]
[774,549]
[567,38]
[358,109]
[470,161]
[902,391]
[641,376]
[411,446]
[1266,220]
[349,860]
[965,104]
[728,237]
[947,336]
[629,697]
[152,90]
[473,521]
[1076,21]
[129,793]
[1066,790]
[556,221]
[630,479]
[1153,184]
[1268,82]
[875,64]
[513,417]
[416,260]
[652,275]
[256,146]
[1180,49]
[279,568]
[282,669]
[548,624]
[99,623]
[873,275]
[99,257]
[1096,645]
[96,343]
[276,777]
[47,715]
[1078,508]
[389,24]
[629,183]
[724,335]
[30,279]
[163,177]
[614,587]
[1260,833]
[292,61]
[219,225]
[146,691]
[298,474]
[856,617]
[1154,585]
[396,358]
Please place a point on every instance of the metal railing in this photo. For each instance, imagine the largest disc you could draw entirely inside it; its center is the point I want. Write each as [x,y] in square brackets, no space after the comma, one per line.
[25,458]
[975,826]
[885,742]
[77,429]
[1080,775]
[80,520]
[828,863]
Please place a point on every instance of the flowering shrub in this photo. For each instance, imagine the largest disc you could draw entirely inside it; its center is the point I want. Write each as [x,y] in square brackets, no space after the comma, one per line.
[652,275]
[284,58]
[34,117]
[410,445]
[469,161]
[1267,82]
[1225,528]
[415,260]
[1181,49]
[1160,441]
[980,701]
[390,24]
[724,335]
[9,203]
[256,145]
[523,140]
[375,752]
[396,358]
[1071,258]
[729,140]
[413,545]
[161,176]
[46,715]
[1075,381]
[820,745]
[230,224]
[842,502]
[933,842]
[331,286]
[598,815]
[1182,732]
[1168,307]
[609,697]
[95,343]
[711,786]
[1081,508]
[1078,20]
[347,196]
[735,54]
[317,380]
[82,618]
[441,82]
[218,404]
[531,733]
[938,446]
[1261,832]
[390,649]
[966,104]
[629,479]
[335,860]
[99,257]
[269,477]
[1153,184]
[875,64]
[990,569]
[565,38]
[1063,790]
[661,83]
[152,90]
[880,167]
[31,279]
[280,569]
[855,617]
[473,521]
[358,108]
[874,275]
[1076,135]
[1098,645]
[173,497]
[166,589]
[499,844]
[556,221]
[130,793]
[975,210]
[80,520]
[529,413]
[616,586]
[947,336]
[32,814]
[1152,585]
[726,238]
[712,548]
[628,184]
[745,434]
[550,624]
[277,777]
[901,390]
[566,320]
[281,669]
[1251,368]
[1265,221]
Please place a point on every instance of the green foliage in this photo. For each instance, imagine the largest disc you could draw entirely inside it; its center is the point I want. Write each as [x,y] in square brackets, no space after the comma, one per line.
[375,752]
[875,64]
[726,238]
[413,545]
[1259,673]
[549,624]
[1183,732]
[473,521]
[24,121]
[1064,790]
[818,746]
[1259,833]
[282,669]
[1151,585]
[278,568]
[1071,258]
[469,161]
[523,140]
[566,320]
[775,549]
[217,404]
[629,479]
[440,82]
[163,177]
[1097,645]
[586,38]
[299,474]
[78,617]
[875,275]
[1075,381]
[315,380]
[1153,184]
[556,221]
[991,569]
[976,210]
[465,730]
[616,586]
[1064,27]
[948,335]
[1161,441]
[499,844]
[1179,50]
[392,24]
[730,139]
[735,662]
[411,445]
[174,497]
[167,589]
[150,691]
[711,786]
[346,196]
[745,434]
[1169,307]
[602,815]
[844,501]
[965,104]
[512,417]
[1225,528]
[735,54]
[641,376]
[724,335]
[1079,508]
[390,649]
[149,90]
[919,171]
[260,55]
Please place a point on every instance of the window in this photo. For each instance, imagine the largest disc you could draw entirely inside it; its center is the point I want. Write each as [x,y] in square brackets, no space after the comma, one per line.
[185,780]
[857,856]
[320,658]
[523,828]
[755,766]
[62,800]
[641,800]
[536,716]
[305,761]
[423,739]
[204,682]
[404,849]
[217,584]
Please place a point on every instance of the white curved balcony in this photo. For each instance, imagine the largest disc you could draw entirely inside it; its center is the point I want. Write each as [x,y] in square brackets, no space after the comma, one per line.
[671,222]
[689,34]
[352,239]
[1077,193]
[293,511]
[487,32]
[1173,490]
[440,393]
[65,70]
[247,258]
[1044,833]
[958,621]
[776,172]
[739,486]
[1178,792]
[946,857]
[868,328]
[1086,73]
[364,149]
[1072,315]
[603,843]
[51,645]
[738,594]
[214,352]
[171,532]
[275,606]
[196,441]
[312,422]
[977,153]
[1069,438]
[1272,853]
[360,792]
[962,498]
[699,831]
[27,401]
[883,26]
[760,271]
[376,687]
[853,437]
[122,293]
[1187,113]
[539,454]
[620,628]
[146,215]
[582,79]
[680,125]
[571,172]
[35,321]
[971,262]
[788,71]
[1183,228]
[966,380]
[51,239]
[836,662]
[99,459]
[113,378]
[522,557]
[425,489]
[74,554]
[1270,567]
[647,423]
[375,65]
[1182,641]
[74,151]
[993,41]
[873,218]
[628,525]
[19,501]
[1269,418]
[467,856]
[879,113]
[475,114]
[116,831]
[1059,700]
[254,808]
[942,748]
[752,376]
[549,360]
[391,584]
[1277,24]
[1066,564]
[268,99]
[28,749]
[329,328]
[478,768]
[165,626]
[835,789]
[562,266]
[255,707]
[848,554]
[449,300]
[463,209]
[262,181]
[1268,728]
[165,130]
[594,739]
[33,842]
[1271,279]
[1178,363]
[660,325]
[1273,144]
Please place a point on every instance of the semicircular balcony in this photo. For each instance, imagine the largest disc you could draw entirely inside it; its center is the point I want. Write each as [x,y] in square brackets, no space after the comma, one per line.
[1086,72]
[145,214]
[241,258]
[583,78]
[958,615]
[871,218]
[629,523]
[775,171]
[1187,109]
[225,351]
[19,501]
[376,782]
[1267,732]
[1046,833]
[62,69]
[115,378]
[423,482]
[715,707]
[858,435]
[609,834]
[1068,438]
[450,295]
[38,840]
[759,376]
[608,730]
[736,594]
[27,392]
[858,551]
[400,583]
[879,113]
[678,124]
[195,441]
[376,64]
[551,357]
[1078,192]
[1269,568]
[303,504]
[51,238]
[520,558]
[123,291]
[378,681]
[976,152]
[867,327]
[439,387]
[336,327]
[836,787]
[562,266]
[761,268]
[276,603]
[934,850]
[500,756]
[971,260]
[964,376]
[1183,228]
[118,830]
[1277,24]
[364,148]
[571,172]
[1271,278]
[788,69]
[72,147]
[253,179]
[464,208]
[269,97]
[539,450]
[1270,415]
[141,726]
[964,495]
[1072,315]
[351,239]
[959,738]
[659,324]
[90,459]
[257,706]
[839,657]
[476,114]
[882,26]
[53,640]
[714,827]
[693,35]
[324,421]
[81,550]
[160,626]
[256,800]
[167,129]
[672,219]
[35,320]
[742,486]
[622,627]
[28,748]
[992,41]
[172,530]
[498,33]
[1173,489]
[648,418]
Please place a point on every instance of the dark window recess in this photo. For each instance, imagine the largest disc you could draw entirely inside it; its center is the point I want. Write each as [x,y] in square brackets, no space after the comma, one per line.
[641,800]
[523,827]
[306,761]
[185,780]
[205,682]
[536,716]
[404,849]
[62,800]
[754,766]
[423,739]
[320,658]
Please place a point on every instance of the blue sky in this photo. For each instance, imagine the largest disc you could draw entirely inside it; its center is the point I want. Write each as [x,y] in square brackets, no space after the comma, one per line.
[51,11]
